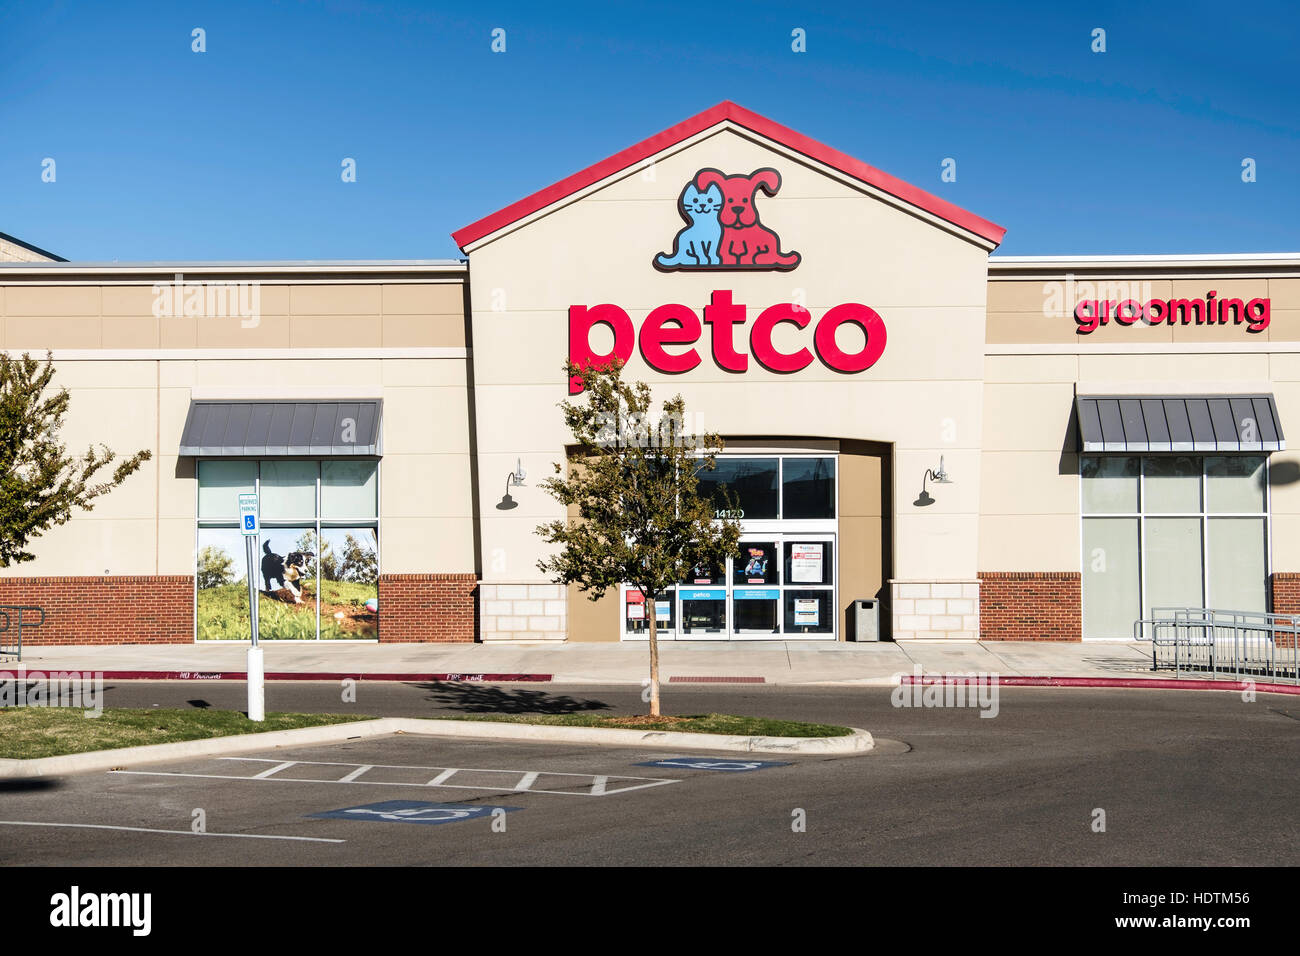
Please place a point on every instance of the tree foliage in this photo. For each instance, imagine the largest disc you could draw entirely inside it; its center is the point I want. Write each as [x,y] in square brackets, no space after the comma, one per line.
[41,485]
[631,489]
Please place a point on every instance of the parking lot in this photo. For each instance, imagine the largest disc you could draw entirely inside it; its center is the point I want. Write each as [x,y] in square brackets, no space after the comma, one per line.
[1021,789]
[343,804]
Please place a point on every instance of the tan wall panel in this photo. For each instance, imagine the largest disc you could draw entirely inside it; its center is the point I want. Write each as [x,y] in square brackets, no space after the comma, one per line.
[1029,543]
[860,485]
[177,487]
[1029,482]
[427,486]
[178,332]
[130,332]
[1283,326]
[1285,293]
[426,421]
[41,333]
[345,300]
[90,545]
[1018,369]
[332,331]
[427,546]
[595,621]
[52,301]
[177,544]
[1031,417]
[935,546]
[423,331]
[281,373]
[1141,370]
[267,331]
[424,299]
[424,372]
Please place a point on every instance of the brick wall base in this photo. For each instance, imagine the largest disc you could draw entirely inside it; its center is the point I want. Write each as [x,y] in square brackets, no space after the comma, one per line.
[1031,606]
[117,609]
[1285,599]
[428,608]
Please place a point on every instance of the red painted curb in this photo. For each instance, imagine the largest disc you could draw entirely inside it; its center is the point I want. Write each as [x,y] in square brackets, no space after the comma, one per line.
[1174,683]
[324,676]
[717,680]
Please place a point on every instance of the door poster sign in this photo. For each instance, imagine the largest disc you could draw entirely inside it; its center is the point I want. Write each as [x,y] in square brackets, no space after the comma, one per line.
[806,612]
[756,567]
[806,564]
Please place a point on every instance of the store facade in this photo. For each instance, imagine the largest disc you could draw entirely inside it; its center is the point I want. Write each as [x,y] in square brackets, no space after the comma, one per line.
[1012,448]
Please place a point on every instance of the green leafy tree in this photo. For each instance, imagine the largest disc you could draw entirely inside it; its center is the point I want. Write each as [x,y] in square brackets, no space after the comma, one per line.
[41,485]
[633,487]
[215,568]
[360,563]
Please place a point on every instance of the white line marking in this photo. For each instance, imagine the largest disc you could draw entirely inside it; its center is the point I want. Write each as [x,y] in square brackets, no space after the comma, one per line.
[276,769]
[348,778]
[598,786]
[102,826]
[438,780]
[651,782]
[527,780]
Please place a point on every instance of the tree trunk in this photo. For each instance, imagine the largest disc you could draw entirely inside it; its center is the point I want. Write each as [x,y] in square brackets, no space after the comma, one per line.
[654,655]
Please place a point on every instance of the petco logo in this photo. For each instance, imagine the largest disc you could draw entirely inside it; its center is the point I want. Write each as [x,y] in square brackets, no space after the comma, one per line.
[208,300]
[676,324]
[74,908]
[81,689]
[723,231]
[975,689]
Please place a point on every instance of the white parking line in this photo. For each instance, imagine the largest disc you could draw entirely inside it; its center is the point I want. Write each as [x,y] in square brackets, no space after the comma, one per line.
[514,781]
[274,770]
[104,826]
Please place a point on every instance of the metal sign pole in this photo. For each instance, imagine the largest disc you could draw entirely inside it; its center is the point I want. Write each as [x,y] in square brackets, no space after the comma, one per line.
[248,526]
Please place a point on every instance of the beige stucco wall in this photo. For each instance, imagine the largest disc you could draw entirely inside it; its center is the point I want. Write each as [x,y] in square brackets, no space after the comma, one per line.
[13,252]
[924,395]
[1029,512]
[136,394]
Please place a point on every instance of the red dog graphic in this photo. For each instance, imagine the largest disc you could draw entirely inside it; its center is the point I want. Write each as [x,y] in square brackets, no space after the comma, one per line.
[745,241]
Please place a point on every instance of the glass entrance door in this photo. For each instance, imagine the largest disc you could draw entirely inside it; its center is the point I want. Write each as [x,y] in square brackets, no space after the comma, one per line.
[778,586]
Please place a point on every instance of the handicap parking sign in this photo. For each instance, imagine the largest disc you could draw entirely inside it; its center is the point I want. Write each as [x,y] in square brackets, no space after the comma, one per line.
[719,764]
[412,811]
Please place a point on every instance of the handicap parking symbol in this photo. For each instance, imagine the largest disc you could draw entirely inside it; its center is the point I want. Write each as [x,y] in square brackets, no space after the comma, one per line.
[412,811]
[715,763]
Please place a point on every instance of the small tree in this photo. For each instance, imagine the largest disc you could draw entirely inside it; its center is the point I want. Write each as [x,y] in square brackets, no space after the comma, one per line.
[215,568]
[40,484]
[640,519]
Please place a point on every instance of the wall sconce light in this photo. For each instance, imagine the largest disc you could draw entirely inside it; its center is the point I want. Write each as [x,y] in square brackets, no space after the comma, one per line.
[513,480]
[939,477]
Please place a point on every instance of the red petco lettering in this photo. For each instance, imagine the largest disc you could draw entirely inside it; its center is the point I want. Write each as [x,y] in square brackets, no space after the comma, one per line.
[678,325]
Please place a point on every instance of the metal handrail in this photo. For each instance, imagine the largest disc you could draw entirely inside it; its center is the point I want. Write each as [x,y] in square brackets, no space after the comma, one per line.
[15,647]
[1223,643]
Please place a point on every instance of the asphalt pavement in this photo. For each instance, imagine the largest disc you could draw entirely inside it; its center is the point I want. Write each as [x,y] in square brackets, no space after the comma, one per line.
[1079,777]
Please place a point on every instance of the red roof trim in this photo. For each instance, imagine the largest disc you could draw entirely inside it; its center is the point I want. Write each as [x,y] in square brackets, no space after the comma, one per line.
[749,120]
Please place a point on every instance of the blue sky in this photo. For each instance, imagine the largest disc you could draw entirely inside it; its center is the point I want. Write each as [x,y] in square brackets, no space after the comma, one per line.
[163,153]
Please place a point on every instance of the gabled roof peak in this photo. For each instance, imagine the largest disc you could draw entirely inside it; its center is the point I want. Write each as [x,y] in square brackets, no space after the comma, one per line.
[727,111]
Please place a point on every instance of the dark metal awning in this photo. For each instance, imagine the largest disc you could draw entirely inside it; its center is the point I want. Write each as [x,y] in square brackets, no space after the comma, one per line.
[280,428]
[1179,423]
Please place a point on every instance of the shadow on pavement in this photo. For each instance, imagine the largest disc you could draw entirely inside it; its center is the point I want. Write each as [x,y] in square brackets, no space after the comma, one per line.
[485,698]
[29,784]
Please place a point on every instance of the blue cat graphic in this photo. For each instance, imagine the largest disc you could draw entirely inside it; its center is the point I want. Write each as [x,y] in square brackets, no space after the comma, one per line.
[697,244]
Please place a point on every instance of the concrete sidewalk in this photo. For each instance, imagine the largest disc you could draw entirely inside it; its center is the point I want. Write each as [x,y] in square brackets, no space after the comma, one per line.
[774,662]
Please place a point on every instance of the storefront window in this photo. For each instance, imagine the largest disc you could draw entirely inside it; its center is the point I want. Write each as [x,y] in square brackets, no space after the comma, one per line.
[752,483]
[1110,485]
[316,572]
[1235,484]
[808,488]
[1172,531]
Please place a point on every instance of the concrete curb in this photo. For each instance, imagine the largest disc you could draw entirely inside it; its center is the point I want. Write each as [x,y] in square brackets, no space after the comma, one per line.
[860,741]
[1129,683]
